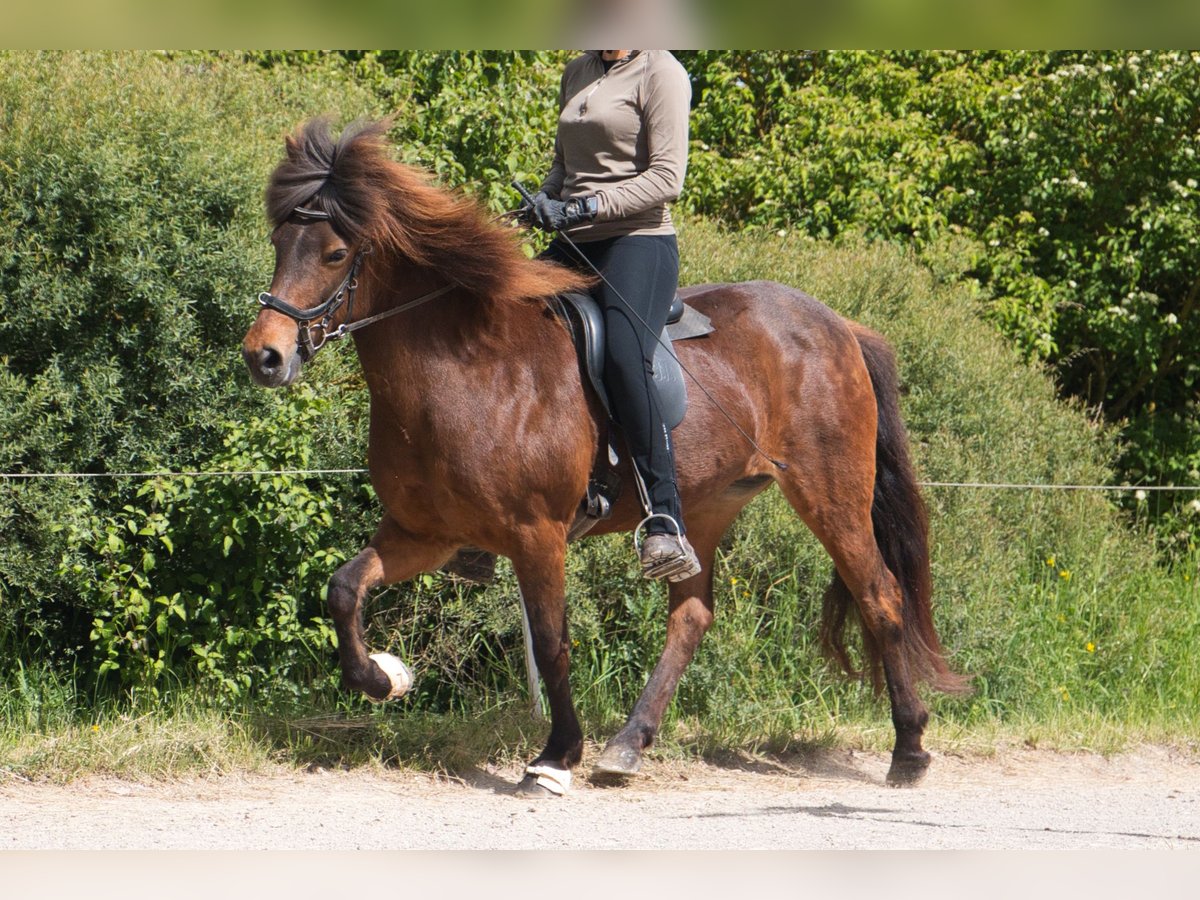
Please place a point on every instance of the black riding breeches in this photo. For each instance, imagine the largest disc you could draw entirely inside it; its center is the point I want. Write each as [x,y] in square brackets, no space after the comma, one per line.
[644,270]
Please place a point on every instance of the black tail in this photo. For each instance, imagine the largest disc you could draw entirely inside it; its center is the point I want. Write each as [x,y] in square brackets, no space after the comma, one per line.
[902,533]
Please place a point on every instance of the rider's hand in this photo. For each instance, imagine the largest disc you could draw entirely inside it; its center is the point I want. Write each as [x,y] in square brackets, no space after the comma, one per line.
[556,215]
[527,214]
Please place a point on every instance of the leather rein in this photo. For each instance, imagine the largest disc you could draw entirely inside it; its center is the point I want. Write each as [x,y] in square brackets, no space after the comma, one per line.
[313,324]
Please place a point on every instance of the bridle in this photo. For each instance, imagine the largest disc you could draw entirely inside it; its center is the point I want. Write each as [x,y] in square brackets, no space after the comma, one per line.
[313,324]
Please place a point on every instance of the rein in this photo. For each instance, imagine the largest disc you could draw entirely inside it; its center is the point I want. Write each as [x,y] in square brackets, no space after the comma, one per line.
[312,334]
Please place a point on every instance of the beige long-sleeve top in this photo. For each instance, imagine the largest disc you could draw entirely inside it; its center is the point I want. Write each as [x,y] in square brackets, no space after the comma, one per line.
[623,136]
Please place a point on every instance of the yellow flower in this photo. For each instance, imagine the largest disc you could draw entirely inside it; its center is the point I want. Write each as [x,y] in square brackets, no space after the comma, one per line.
[95,729]
[1090,647]
[1066,695]
[1050,560]
[1065,574]
[733,582]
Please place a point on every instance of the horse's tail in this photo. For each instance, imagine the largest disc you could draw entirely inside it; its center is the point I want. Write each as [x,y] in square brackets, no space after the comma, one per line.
[902,533]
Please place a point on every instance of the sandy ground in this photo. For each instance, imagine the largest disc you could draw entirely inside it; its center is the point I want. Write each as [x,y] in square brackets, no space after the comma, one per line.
[830,800]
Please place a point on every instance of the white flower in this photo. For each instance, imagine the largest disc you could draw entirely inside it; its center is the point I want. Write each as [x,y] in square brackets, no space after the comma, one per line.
[781,233]
[1172,318]
[1140,496]
[1194,506]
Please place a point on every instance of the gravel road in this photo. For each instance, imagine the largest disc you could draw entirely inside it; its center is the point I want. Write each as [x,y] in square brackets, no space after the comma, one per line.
[830,800]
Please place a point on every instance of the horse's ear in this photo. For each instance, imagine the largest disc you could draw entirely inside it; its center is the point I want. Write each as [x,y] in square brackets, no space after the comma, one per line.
[293,144]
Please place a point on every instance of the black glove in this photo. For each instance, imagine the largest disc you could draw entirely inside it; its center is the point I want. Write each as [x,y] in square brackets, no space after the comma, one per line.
[527,214]
[558,215]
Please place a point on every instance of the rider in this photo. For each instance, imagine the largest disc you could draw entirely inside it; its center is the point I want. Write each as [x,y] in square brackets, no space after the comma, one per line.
[619,158]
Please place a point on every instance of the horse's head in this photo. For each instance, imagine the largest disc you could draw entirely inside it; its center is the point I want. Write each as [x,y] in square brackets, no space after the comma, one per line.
[332,200]
[312,292]
[318,208]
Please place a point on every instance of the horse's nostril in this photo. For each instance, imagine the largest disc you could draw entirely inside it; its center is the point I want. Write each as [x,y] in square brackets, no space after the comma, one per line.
[269,360]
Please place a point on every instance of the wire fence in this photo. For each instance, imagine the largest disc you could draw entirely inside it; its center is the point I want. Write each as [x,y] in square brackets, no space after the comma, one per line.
[983,485]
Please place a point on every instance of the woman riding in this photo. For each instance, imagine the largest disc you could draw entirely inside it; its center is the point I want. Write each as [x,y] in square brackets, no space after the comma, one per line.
[619,158]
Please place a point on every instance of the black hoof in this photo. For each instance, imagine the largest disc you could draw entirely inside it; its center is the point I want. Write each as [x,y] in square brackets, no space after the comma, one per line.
[908,770]
[374,683]
[617,760]
[528,787]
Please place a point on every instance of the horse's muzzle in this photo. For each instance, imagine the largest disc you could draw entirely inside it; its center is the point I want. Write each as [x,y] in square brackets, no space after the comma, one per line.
[271,368]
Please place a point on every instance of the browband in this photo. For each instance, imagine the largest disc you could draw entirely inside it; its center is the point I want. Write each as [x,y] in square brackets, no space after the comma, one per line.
[306,213]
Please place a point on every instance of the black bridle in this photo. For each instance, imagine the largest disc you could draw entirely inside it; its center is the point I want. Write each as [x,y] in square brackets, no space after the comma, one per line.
[313,324]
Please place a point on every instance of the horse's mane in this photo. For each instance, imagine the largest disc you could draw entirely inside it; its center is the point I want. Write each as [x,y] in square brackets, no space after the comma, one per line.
[397,208]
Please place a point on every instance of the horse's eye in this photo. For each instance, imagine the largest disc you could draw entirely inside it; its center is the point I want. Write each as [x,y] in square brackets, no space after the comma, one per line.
[337,256]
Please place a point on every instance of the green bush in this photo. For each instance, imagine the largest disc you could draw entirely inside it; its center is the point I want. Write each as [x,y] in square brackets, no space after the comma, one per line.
[217,581]
[1064,184]
[132,242]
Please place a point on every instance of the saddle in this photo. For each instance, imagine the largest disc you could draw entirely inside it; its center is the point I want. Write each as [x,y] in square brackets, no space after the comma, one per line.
[585,321]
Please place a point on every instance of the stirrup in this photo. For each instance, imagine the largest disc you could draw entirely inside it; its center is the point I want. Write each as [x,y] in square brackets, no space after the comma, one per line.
[679,565]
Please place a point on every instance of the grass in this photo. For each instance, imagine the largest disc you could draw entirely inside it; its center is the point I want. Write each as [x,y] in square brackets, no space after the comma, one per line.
[135,740]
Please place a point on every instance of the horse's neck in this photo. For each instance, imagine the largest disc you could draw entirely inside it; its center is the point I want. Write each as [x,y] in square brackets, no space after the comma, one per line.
[409,358]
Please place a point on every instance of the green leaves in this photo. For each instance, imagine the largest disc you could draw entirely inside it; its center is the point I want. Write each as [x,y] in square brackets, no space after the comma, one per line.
[1067,181]
[131,244]
[235,603]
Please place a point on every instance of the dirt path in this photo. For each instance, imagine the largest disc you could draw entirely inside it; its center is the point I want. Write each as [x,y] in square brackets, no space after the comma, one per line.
[833,800]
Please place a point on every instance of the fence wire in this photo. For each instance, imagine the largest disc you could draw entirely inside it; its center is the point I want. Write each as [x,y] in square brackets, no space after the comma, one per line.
[983,485]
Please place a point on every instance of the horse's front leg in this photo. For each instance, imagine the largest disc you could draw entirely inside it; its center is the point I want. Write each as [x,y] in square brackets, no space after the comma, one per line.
[539,567]
[392,555]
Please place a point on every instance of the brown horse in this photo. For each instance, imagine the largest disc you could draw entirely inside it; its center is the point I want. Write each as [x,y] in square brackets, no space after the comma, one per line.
[482,433]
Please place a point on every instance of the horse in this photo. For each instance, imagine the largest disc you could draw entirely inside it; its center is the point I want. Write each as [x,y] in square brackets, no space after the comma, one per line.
[483,434]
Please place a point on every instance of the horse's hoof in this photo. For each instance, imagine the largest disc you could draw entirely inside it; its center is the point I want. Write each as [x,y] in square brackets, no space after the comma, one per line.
[908,770]
[542,780]
[618,760]
[529,787]
[398,674]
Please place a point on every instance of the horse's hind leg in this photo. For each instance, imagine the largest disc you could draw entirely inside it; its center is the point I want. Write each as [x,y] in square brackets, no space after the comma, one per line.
[539,567]
[690,613]
[837,507]
[391,556]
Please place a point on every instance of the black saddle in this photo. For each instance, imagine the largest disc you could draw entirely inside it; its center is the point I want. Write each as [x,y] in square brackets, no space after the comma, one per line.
[585,321]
